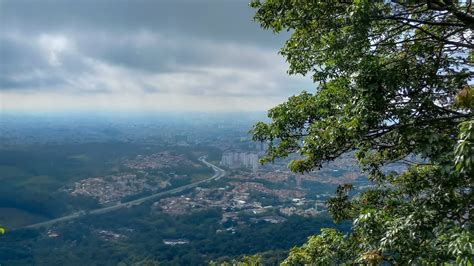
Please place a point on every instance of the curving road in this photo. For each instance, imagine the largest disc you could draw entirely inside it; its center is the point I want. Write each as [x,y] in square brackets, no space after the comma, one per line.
[218,173]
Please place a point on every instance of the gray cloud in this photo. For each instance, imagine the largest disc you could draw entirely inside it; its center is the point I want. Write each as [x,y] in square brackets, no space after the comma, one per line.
[222,20]
[196,48]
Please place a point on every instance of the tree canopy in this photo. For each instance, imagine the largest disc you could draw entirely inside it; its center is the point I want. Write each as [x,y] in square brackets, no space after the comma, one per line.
[393,84]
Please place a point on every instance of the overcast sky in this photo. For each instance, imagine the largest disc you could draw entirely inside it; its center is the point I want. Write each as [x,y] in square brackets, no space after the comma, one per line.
[198,55]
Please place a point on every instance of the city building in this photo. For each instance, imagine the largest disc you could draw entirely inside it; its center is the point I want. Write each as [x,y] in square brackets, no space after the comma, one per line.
[240,159]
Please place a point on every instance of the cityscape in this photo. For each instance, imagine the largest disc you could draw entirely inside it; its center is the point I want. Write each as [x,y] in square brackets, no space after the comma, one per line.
[165,170]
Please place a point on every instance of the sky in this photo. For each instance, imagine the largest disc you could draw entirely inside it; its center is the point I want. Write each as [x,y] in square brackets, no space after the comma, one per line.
[164,55]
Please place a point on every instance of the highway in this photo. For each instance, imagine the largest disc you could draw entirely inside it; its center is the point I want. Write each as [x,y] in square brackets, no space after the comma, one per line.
[218,173]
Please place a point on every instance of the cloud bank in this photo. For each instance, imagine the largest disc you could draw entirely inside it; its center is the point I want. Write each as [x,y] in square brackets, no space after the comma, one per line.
[140,55]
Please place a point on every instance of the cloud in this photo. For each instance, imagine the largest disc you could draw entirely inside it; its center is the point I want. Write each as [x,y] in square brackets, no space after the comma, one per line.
[90,58]
[54,47]
[217,20]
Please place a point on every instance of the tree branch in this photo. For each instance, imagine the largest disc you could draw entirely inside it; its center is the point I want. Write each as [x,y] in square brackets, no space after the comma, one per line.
[434,36]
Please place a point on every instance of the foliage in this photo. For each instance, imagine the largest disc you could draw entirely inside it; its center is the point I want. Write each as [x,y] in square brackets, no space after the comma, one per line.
[143,231]
[323,249]
[464,152]
[254,260]
[394,86]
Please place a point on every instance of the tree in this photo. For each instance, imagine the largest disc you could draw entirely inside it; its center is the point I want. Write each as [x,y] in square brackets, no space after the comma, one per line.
[394,84]
[328,248]
[254,260]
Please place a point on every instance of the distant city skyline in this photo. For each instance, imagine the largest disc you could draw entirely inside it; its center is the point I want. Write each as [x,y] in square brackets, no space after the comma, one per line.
[143,55]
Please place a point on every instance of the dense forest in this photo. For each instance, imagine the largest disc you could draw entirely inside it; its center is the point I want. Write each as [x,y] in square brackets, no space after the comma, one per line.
[83,242]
